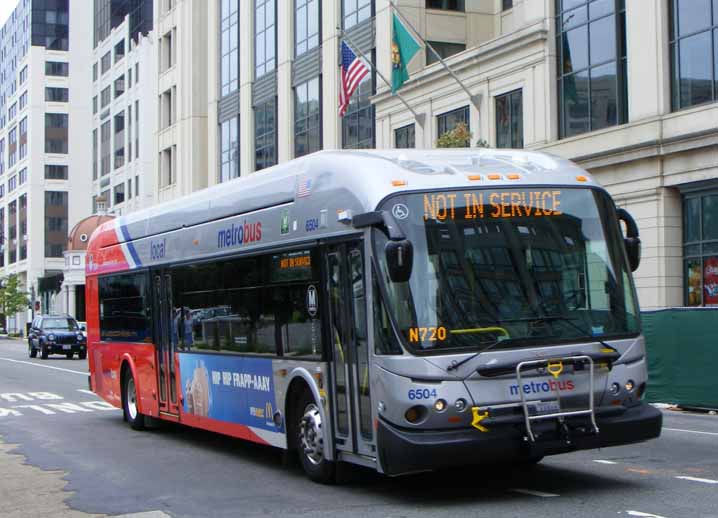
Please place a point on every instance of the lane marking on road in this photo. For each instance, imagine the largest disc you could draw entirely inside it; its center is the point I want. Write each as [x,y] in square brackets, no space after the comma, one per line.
[644,515]
[696,479]
[85,391]
[47,366]
[605,462]
[690,431]
[532,492]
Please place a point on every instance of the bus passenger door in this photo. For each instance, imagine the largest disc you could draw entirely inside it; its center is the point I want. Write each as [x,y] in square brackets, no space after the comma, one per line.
[166,336]
[351,398]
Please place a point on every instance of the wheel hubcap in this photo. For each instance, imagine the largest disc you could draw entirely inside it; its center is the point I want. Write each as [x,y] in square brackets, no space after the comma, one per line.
[311,438]
[131,399]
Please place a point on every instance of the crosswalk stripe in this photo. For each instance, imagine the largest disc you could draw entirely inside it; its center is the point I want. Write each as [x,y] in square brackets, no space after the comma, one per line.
[696,479]
[532,492]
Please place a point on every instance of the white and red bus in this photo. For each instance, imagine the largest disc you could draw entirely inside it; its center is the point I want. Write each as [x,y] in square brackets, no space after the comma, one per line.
[403,310]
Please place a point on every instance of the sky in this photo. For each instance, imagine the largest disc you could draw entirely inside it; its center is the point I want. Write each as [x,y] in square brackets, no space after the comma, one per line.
[6,8]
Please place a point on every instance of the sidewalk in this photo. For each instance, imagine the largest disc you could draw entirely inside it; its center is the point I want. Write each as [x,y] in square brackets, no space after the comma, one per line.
[27,491]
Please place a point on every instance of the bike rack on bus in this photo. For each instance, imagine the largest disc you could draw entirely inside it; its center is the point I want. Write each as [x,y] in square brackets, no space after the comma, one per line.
[590,411]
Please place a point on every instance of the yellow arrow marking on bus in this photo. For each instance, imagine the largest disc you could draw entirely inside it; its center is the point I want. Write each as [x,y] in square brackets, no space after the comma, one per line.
[555,368]
[476,423]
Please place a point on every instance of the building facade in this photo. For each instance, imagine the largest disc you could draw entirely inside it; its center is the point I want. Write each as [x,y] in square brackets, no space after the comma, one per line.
[124,106]
[182,43]
[628,90]
[45,47]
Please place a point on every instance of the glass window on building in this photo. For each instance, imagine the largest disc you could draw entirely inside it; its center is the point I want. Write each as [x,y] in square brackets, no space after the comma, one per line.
[118,194]
[56,172]
[358,122]
[50,24]
[444,49]
[700,249]
[22,221]
[23,138]
[57,68]
[119,139]
[306,22]
[2,227]
[447,121]
[61,95]
[265,134]
[229,149]
[105,97]
[404,137]
[694,52]
[265,37]
[120,50]
[356,11]
[56,126]
[2,160]
[12,231]
[229,42]
[95,154]
[509,120]
[591,50]
[120,86]
[447,5]
[105,148]
[507,4]
[106,62]
[307,117]
[12,147]
[55,223]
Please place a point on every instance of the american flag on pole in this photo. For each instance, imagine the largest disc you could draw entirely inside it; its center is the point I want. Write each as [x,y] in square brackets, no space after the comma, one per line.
[353,71]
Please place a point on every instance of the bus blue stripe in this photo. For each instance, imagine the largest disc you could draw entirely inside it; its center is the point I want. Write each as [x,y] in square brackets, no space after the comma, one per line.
[130,246]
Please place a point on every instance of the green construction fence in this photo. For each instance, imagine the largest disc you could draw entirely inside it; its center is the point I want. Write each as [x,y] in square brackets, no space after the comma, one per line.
[682,348]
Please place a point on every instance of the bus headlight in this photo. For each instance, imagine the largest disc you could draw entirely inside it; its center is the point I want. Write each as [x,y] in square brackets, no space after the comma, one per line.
[439,405]
[415,414]
[630,385]
[460,405]
[615,389]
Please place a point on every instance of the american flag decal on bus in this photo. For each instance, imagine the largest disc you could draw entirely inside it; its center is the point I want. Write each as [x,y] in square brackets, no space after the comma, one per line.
[305,187]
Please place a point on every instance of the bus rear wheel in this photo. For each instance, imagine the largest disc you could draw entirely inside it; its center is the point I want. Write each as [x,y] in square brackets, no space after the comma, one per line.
[310,441]
[129,403]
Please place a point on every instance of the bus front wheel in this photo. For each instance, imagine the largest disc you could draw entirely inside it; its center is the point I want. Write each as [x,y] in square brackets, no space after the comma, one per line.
[129,403]
[310,441]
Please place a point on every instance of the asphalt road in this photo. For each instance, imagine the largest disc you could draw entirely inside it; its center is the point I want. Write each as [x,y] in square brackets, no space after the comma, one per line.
[58,425]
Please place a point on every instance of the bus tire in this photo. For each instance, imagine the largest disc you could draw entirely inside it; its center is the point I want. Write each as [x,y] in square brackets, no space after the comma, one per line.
[129,402]
[309,436]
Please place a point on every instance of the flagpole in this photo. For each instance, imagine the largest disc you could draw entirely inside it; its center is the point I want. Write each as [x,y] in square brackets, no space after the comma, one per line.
[419,117]
[475,98]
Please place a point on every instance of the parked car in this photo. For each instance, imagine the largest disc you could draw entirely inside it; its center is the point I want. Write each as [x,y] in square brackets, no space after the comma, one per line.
[56,334]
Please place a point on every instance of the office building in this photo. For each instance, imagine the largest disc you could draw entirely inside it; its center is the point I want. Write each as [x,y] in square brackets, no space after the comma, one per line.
[45,48]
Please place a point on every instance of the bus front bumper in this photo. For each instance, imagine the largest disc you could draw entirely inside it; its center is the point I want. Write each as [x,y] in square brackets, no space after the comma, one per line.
[405,451]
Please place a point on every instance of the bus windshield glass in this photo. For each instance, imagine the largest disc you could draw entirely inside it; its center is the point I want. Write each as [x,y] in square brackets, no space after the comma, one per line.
[509,268]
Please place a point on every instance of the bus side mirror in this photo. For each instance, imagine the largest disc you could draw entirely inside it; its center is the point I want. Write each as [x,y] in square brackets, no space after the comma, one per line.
[399,259]
[632,242]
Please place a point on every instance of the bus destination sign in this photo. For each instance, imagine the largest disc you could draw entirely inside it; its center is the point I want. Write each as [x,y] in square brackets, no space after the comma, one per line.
[491,204]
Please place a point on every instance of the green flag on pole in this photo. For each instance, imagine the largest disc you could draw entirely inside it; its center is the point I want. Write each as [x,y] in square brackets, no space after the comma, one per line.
[403,48]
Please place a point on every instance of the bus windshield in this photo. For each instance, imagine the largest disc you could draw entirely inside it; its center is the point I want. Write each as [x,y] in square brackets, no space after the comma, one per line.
[509,268]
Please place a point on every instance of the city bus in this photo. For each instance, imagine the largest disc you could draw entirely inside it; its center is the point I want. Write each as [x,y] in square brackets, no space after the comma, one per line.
[403,310]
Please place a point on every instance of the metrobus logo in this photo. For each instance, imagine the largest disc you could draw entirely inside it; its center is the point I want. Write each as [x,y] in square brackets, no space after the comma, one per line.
[235,235]
[543,387]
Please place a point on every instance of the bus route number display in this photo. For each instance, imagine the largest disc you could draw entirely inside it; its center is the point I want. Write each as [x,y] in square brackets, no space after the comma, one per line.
[488,204]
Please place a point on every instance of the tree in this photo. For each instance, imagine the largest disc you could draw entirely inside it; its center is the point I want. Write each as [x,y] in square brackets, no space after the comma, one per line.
[12,299]
[460,136]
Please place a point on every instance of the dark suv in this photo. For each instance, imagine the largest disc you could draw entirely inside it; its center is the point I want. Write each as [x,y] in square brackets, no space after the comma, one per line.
[56,334]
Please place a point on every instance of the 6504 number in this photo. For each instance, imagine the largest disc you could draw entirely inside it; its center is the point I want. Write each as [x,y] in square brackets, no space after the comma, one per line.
[421,393]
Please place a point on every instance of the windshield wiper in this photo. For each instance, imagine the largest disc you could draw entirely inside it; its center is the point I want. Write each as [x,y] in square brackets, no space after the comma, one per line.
[456,365]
